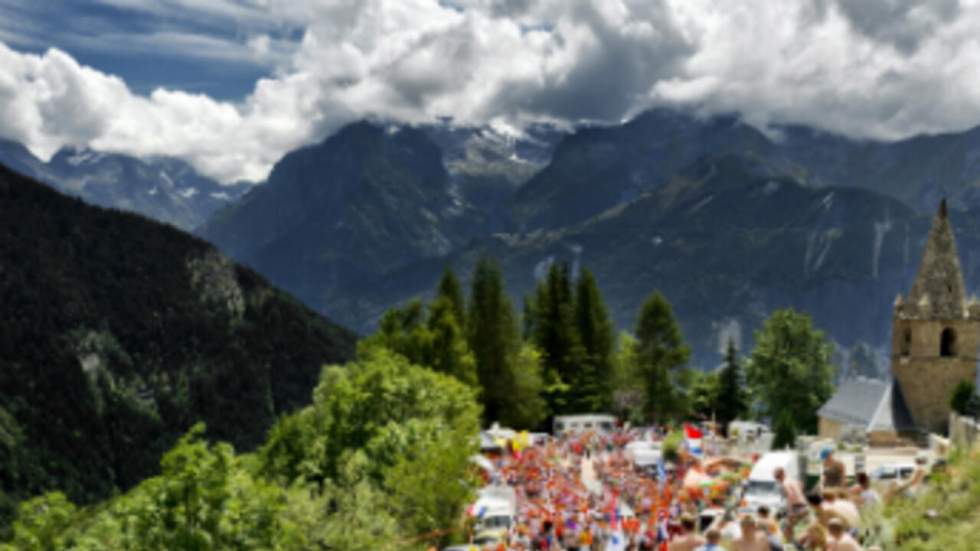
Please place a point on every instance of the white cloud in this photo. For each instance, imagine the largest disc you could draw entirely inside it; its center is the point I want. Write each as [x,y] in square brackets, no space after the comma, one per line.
[869,68]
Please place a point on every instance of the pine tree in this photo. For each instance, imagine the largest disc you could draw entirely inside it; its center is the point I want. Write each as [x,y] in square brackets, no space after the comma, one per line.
[450,351]
[493,337]
[450,289]
[527,319]
[732,396]
[555,335]
[661,356]
[595,332]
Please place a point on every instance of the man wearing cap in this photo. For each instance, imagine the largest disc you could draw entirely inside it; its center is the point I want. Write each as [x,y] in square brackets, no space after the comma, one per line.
[833,470]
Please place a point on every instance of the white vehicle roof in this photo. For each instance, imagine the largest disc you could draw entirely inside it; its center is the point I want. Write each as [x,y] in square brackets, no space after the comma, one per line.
[586,417]
[768,463]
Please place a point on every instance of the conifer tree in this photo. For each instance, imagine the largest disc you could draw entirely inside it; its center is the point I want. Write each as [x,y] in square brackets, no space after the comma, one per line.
[450,289]
[661,355]
[556,336]
[450,351]
[527,319]
[732,396]
[595,332]
[493,337]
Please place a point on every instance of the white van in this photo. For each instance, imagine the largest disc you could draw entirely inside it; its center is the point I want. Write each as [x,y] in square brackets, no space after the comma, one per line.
[496,508]
[763,488]
[596,422]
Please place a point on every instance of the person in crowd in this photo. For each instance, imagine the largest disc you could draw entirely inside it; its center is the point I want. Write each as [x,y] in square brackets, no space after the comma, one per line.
[815,539]
[795,500]
[712,541]
[840,539]
[836,502]
[834,473]
[867,497]
[751,538]
[766,522]
[688,540]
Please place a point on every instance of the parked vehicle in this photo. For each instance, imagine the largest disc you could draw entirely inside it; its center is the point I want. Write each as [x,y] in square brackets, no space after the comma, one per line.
[763,488]
[598,422]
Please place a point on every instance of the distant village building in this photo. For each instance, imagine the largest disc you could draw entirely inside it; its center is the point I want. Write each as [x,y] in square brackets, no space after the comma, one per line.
[935,333]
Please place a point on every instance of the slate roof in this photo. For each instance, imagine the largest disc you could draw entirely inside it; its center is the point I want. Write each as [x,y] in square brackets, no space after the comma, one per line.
[874,404]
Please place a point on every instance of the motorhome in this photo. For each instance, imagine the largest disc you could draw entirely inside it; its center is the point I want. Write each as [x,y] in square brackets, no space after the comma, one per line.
[596,422]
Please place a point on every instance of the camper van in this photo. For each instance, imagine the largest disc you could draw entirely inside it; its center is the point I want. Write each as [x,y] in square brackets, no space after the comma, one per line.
[596,422]
[763,488]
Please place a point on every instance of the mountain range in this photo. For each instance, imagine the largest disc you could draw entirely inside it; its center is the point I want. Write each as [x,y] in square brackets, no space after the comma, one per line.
[161,188]
[119,333]
[730,221]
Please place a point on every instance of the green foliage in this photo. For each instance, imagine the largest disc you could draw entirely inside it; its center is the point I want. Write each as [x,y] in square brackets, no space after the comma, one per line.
[110,352]
[595,332]
[964,399]
[41,523]
[493,337]
[527,407]
[672,444]
[732,400]
[943,517]
[435,340]
[785,431]
[554,333]
[380,460]
[626,380]
[450,290]
[704,397]
[661,356]
[790,371]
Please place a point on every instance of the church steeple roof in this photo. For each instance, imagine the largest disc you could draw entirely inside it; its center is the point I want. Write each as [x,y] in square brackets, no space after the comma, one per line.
[939,283]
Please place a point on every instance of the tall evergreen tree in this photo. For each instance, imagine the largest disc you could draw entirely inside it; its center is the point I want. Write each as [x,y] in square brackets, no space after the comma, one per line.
[527,319]
[595,332]
[450,349]
[450,289]
[555,335]
[661,355]
[493,337]
[733,399]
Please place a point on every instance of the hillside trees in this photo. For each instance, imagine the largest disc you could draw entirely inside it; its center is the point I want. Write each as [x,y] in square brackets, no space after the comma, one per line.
[380,460]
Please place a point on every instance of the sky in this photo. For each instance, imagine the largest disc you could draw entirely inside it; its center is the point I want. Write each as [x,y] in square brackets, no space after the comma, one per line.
[232,85]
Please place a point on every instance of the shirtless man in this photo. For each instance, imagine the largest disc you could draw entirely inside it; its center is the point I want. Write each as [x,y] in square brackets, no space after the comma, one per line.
[839,539]
[752,538]
[689,540]
[795,500]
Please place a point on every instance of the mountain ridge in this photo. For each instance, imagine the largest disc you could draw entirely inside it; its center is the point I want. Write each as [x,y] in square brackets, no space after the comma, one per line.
[121,332]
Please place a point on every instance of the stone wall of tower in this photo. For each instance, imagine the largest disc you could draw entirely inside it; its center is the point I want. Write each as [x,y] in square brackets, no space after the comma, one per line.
[926,377]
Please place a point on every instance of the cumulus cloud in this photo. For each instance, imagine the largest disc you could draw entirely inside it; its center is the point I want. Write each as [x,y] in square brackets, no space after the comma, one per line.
[867,68]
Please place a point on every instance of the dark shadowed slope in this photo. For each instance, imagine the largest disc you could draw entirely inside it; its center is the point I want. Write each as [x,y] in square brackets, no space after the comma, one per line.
[117,333]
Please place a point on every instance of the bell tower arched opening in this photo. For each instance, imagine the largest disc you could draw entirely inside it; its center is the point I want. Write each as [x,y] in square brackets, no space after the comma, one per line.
[947,343]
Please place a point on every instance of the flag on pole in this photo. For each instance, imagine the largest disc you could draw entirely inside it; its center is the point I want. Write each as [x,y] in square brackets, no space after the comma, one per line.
[693,436]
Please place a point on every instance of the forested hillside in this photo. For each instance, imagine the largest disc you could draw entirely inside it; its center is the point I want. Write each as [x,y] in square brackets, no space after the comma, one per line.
[117,334]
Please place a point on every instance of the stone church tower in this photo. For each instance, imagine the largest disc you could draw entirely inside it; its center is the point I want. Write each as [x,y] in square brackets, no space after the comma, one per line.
[935,331]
